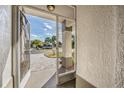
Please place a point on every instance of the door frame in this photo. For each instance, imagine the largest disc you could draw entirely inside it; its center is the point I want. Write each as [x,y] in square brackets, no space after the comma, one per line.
[15,38]
[15,62]
[16,28]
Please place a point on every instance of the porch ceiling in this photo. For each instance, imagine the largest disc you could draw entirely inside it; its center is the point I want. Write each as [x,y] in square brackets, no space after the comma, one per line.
[37,11]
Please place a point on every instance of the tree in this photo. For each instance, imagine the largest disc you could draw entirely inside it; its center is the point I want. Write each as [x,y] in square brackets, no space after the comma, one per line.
[48,40]
[54,41]
[51,40]
[36,43]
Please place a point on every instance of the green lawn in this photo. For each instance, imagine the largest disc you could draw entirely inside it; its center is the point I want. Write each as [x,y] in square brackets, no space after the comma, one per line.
[51,55]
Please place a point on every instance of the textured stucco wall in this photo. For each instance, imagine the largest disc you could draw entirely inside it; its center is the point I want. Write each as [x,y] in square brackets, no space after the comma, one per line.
[5,45]
[119,66]
[80,83]
[96,44]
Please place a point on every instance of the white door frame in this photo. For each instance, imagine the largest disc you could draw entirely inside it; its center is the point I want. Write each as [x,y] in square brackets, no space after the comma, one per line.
[15,45]
[15,62]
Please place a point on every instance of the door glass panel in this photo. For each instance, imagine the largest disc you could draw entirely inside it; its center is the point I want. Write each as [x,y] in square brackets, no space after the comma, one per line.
[66,45]
[24,45]
[50,41]
[43,53]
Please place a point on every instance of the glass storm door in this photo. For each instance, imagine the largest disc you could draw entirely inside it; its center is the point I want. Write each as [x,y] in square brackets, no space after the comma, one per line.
[59,46]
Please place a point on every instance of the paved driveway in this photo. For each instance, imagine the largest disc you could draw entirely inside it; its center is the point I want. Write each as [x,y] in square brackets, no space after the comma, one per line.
[41,62]
[42,69]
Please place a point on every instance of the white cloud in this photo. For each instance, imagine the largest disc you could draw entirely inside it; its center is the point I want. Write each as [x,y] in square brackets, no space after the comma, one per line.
[45,29]
[48,26]
[34,35]
[30,16]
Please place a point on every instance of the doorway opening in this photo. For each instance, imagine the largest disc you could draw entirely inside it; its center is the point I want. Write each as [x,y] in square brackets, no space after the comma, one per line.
[47,49]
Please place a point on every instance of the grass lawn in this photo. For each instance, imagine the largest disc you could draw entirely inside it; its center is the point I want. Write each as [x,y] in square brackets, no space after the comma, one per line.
[51,55]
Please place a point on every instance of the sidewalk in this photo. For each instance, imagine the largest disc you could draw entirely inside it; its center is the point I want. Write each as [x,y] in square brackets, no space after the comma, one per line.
[42,69]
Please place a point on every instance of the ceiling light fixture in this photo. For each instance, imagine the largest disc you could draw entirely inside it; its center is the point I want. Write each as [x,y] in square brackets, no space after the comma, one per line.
[51,7]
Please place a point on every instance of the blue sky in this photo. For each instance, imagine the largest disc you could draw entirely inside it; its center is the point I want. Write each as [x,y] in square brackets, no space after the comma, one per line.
[41,27]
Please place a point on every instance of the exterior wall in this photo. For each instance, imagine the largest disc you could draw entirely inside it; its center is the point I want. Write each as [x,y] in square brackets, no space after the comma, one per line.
[6,76]
[80,83]
[5,46]
[96,45]
[119,69]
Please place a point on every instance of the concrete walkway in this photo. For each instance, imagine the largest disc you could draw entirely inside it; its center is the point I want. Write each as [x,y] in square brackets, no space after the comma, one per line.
[52,83]
[42,69]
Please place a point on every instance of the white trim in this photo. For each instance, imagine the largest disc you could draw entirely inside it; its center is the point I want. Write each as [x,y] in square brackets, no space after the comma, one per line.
[66,73]
[25,79]
[14,46]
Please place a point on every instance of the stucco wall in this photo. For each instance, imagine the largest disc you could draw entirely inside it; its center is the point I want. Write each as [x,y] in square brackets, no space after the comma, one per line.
[96,44]
[5,45]
[119,66]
